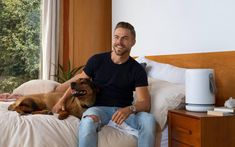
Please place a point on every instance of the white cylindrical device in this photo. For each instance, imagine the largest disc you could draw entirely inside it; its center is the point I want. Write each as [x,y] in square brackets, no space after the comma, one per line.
[200,89]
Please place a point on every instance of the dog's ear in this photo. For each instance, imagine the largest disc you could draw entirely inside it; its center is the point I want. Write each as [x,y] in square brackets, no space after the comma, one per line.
[92,84]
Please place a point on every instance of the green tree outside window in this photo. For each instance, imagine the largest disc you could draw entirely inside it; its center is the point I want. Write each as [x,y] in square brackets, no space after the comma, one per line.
[20,41]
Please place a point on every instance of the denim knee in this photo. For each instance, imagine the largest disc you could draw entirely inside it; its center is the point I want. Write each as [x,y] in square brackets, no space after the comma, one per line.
[91,111]
[146,120]
[87,131]
[87,124]
[147,129]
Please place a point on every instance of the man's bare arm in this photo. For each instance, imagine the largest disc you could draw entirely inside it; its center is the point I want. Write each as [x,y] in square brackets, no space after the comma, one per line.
[64,86]
[143,99]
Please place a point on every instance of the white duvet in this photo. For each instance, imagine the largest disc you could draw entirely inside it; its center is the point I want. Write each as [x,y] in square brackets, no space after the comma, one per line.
[48,131]
[36,130]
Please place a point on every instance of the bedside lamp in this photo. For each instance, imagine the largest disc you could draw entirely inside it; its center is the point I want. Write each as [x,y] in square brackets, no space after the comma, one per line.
[200,89]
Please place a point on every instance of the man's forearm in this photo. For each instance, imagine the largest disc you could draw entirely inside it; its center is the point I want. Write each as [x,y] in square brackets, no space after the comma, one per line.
[64,86]
[142,106]
[65,96]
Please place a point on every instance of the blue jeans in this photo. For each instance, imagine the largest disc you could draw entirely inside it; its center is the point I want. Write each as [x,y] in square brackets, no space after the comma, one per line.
[142,121]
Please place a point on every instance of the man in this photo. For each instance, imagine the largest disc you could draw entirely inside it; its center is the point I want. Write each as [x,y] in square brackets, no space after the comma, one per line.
[117,75]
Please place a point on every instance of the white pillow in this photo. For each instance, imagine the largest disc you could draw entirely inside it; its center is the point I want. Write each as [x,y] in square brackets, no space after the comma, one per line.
[36,86]
[165,96]
[163,71]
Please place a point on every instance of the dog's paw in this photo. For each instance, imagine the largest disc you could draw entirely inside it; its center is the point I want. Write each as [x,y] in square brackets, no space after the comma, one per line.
[50,113]
[63,115]
[11,107]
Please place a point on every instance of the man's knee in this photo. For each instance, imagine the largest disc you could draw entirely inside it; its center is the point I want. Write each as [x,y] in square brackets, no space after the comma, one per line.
[93,113]
[90,123]
[146,119]
[95,118]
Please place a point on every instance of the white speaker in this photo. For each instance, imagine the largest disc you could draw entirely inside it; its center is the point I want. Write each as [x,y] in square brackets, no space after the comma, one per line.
[200,89]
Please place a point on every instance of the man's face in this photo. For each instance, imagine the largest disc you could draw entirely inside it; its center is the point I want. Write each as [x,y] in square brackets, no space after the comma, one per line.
[123,41]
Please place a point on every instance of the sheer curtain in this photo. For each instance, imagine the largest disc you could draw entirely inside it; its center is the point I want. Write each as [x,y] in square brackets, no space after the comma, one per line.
[50,38]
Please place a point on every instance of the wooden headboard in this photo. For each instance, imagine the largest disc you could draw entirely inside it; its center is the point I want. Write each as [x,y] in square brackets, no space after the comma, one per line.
[222,62]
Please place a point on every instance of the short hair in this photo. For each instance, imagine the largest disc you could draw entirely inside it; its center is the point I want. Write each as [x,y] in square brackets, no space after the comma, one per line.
[126,25]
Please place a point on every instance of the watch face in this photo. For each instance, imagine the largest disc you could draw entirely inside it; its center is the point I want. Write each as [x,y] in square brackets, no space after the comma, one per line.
[133,109]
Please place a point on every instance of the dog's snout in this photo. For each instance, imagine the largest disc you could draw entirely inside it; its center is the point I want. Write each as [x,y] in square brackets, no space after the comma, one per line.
[74,86]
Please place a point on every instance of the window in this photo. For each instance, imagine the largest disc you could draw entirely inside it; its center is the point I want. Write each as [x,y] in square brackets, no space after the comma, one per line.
[20,42]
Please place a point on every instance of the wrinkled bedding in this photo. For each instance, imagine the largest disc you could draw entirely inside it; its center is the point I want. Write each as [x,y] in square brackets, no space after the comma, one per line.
[48,131]
[35,130]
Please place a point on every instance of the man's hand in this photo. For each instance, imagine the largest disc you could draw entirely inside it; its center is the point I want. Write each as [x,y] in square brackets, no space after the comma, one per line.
[121,115]
[4,95]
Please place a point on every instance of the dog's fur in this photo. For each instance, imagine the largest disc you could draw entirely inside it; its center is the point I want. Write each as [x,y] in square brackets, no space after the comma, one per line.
[83,97]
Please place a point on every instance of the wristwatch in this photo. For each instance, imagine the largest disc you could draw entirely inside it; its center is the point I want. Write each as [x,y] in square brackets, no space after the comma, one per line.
[133,108]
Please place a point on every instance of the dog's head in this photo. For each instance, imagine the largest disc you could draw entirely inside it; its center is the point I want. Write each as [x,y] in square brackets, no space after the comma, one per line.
[85,91]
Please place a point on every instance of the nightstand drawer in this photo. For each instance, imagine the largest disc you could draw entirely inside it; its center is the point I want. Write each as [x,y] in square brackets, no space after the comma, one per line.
[200,130]
[185,129]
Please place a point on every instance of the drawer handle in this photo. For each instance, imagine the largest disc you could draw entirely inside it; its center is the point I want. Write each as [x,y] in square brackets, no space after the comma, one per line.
[186,131]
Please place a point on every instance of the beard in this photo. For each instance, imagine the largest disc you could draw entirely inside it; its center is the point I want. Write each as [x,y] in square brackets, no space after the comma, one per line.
[120,51]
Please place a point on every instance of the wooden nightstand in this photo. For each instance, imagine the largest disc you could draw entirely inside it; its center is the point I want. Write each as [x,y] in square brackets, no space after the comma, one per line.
[200,130]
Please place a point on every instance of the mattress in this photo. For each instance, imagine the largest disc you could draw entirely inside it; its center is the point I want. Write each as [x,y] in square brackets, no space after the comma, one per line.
[164,137]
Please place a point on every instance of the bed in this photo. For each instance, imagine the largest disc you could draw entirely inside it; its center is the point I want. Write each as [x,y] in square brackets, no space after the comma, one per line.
[47,130]
[166,86]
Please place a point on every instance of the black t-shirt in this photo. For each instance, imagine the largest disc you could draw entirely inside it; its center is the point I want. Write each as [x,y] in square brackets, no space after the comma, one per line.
[115,81]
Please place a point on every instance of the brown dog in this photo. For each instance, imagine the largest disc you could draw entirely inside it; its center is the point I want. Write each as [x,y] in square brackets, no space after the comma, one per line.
[83,96]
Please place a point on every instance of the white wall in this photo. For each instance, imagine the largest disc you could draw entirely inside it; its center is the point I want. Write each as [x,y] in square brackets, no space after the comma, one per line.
[178,26]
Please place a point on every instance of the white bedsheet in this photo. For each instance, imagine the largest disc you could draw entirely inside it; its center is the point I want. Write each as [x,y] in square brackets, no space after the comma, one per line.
[48,131]
[164,138]
[32,131]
